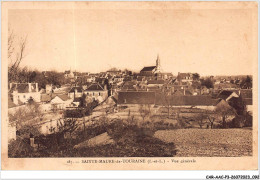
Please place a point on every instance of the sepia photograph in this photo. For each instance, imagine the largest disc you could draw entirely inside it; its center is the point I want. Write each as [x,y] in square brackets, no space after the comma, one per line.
[139,83]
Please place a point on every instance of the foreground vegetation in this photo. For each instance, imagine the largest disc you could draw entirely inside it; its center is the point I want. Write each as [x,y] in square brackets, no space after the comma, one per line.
[209,142]
[130,140]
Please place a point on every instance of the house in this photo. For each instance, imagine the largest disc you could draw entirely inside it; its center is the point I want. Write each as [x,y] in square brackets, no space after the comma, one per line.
[101,80]
[157,83]
[49,88]
[185,77]
[90,78]
[114,72]
[22,92]
[226,95]
[129,86]
[247,98]
[133,98]
[46,101]
[226,86]
[61,101]
[75,92]
[46,98]
[117,78]
[164,75]
[97,92]
[68,74]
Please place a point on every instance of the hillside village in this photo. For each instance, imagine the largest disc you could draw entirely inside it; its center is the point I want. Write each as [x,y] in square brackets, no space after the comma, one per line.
[174,101]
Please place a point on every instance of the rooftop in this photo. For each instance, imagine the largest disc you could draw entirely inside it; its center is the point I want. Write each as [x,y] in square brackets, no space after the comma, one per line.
[136,97]
[186,100]
[95,87]
[148,68]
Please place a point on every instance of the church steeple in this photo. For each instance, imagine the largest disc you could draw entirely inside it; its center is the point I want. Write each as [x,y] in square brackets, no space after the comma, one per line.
[158,64]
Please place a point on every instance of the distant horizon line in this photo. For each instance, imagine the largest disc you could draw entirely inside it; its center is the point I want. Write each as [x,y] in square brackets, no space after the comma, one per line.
[139,72]
[134,71]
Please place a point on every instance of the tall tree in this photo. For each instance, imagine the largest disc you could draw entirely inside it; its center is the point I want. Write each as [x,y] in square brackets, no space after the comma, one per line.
[225,111]
[246,83]
[16,53]
[195,76]
[207,82]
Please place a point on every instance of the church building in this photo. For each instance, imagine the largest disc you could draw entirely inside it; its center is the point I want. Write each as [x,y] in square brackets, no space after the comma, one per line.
[151,70]
[155,71]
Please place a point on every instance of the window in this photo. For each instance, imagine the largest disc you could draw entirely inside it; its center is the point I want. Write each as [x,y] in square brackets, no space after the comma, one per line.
[93,93]
[24,96]
[99,93]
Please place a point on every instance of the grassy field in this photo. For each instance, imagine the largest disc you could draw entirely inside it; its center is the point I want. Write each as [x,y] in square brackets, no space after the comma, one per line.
[209,142]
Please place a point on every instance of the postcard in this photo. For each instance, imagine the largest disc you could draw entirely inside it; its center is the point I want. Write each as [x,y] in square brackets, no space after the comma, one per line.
[129,85]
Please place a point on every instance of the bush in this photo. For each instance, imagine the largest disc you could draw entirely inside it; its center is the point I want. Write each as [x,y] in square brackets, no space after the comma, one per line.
[130,141]
[74,113]
[20,148]
[249,121]
[237,122]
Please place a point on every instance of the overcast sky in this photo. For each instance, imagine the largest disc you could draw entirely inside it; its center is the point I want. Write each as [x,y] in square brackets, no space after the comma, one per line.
[207,41]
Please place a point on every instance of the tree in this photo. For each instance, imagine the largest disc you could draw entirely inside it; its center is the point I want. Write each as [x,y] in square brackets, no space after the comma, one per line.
[144,110]
[40,79]
[167,99]
[67,125]
[83,102]
[16,53]
[55,78]
[207,82]
[196,85]
[24,114]
[246,83]
[211,118]
[238,104]
[130,118]
[195,76]
[224,111]
[200,119]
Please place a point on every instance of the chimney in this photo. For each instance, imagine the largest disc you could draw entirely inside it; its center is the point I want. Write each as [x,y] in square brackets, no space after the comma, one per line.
[30,87]
[37,88]
[31,140]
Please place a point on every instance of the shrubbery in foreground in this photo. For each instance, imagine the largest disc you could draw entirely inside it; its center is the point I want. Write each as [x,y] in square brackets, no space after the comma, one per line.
[131,140]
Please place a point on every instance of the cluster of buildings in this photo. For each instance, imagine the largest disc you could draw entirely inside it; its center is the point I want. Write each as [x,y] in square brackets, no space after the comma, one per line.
[150,86]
